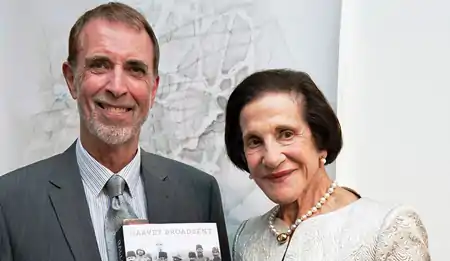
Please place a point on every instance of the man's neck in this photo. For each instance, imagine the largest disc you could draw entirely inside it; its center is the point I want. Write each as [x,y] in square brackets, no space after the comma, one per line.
[113,157]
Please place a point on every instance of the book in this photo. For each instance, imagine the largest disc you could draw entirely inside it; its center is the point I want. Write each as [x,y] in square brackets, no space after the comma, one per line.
[137,240]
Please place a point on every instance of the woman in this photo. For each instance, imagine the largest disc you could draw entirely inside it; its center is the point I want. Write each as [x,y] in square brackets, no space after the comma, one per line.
[282,131]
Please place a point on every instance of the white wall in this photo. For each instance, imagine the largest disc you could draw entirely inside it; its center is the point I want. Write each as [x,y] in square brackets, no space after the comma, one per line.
[393,98]
[8,59]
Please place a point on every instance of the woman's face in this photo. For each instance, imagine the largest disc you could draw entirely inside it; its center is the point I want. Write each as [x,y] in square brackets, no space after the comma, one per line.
[279,147]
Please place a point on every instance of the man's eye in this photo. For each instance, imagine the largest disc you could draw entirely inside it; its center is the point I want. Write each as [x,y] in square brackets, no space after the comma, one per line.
[99,66]
[137,71]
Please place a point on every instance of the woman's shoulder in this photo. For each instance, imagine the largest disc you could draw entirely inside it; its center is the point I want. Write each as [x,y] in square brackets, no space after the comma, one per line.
[364,205]
[254,223]
[397,228]
[380,214]
[403,234]
[385,212]
[250,231]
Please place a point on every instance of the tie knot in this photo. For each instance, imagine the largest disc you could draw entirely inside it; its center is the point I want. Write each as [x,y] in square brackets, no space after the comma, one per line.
[115,186]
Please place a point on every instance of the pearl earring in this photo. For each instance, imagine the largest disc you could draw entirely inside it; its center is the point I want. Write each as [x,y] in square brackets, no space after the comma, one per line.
[250,176]
[323,160]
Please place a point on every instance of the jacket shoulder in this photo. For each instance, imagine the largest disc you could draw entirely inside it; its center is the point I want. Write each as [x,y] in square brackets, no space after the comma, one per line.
[23,178]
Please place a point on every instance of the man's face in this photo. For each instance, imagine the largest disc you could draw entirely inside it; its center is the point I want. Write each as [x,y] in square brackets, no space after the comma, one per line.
[131,258]
[113,81]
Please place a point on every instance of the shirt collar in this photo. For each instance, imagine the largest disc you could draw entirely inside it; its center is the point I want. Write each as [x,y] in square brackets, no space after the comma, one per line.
[95,175]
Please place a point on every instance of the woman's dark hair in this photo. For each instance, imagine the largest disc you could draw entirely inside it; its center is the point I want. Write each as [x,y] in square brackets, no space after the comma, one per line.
[318,113]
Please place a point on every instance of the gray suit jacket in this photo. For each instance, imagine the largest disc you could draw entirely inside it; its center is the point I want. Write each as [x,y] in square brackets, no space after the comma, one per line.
[44,214]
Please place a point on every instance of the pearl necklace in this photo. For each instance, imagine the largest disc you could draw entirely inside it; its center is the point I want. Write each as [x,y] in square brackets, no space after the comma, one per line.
[283,237]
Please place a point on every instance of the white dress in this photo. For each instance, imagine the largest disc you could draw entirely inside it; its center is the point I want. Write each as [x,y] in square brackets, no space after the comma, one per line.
[364,230]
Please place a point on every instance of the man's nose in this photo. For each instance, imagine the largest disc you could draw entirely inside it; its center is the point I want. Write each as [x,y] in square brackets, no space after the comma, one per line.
[117,84]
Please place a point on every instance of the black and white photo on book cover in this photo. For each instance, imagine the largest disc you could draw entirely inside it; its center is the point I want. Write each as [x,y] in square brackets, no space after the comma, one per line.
[171,242]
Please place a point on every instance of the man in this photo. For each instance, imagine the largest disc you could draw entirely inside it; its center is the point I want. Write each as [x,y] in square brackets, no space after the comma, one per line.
[60,208]
[162,256]
[177,257]
[200,256]
[131,256]
[192,256]
[216,254]
[140,254]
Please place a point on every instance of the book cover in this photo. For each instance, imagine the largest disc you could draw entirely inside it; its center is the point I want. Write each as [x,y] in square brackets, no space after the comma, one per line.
[173,241]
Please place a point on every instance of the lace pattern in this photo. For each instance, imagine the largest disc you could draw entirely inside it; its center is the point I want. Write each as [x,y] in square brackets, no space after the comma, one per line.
[403,238]
[365,230]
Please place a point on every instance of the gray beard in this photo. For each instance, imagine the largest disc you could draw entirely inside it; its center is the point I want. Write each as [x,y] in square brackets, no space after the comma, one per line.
[110,134]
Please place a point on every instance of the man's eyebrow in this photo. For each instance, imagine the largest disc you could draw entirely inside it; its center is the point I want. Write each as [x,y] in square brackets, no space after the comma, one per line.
[97,58]
[139,63]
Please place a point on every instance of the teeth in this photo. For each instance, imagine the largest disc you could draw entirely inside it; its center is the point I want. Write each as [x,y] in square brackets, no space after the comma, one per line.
[115,109]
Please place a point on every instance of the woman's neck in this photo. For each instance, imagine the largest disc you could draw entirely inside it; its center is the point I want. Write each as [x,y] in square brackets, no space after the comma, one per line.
[310,196]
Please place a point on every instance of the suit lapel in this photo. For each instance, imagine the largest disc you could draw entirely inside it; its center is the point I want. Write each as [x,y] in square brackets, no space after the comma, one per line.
[67,195]
[158,190]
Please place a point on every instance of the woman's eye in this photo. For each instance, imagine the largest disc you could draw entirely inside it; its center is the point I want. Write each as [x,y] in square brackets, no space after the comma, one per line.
[253,143]
[286,134]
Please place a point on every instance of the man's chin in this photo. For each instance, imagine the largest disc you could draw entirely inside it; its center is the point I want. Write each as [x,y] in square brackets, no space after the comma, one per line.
[114,135]
[115,140]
